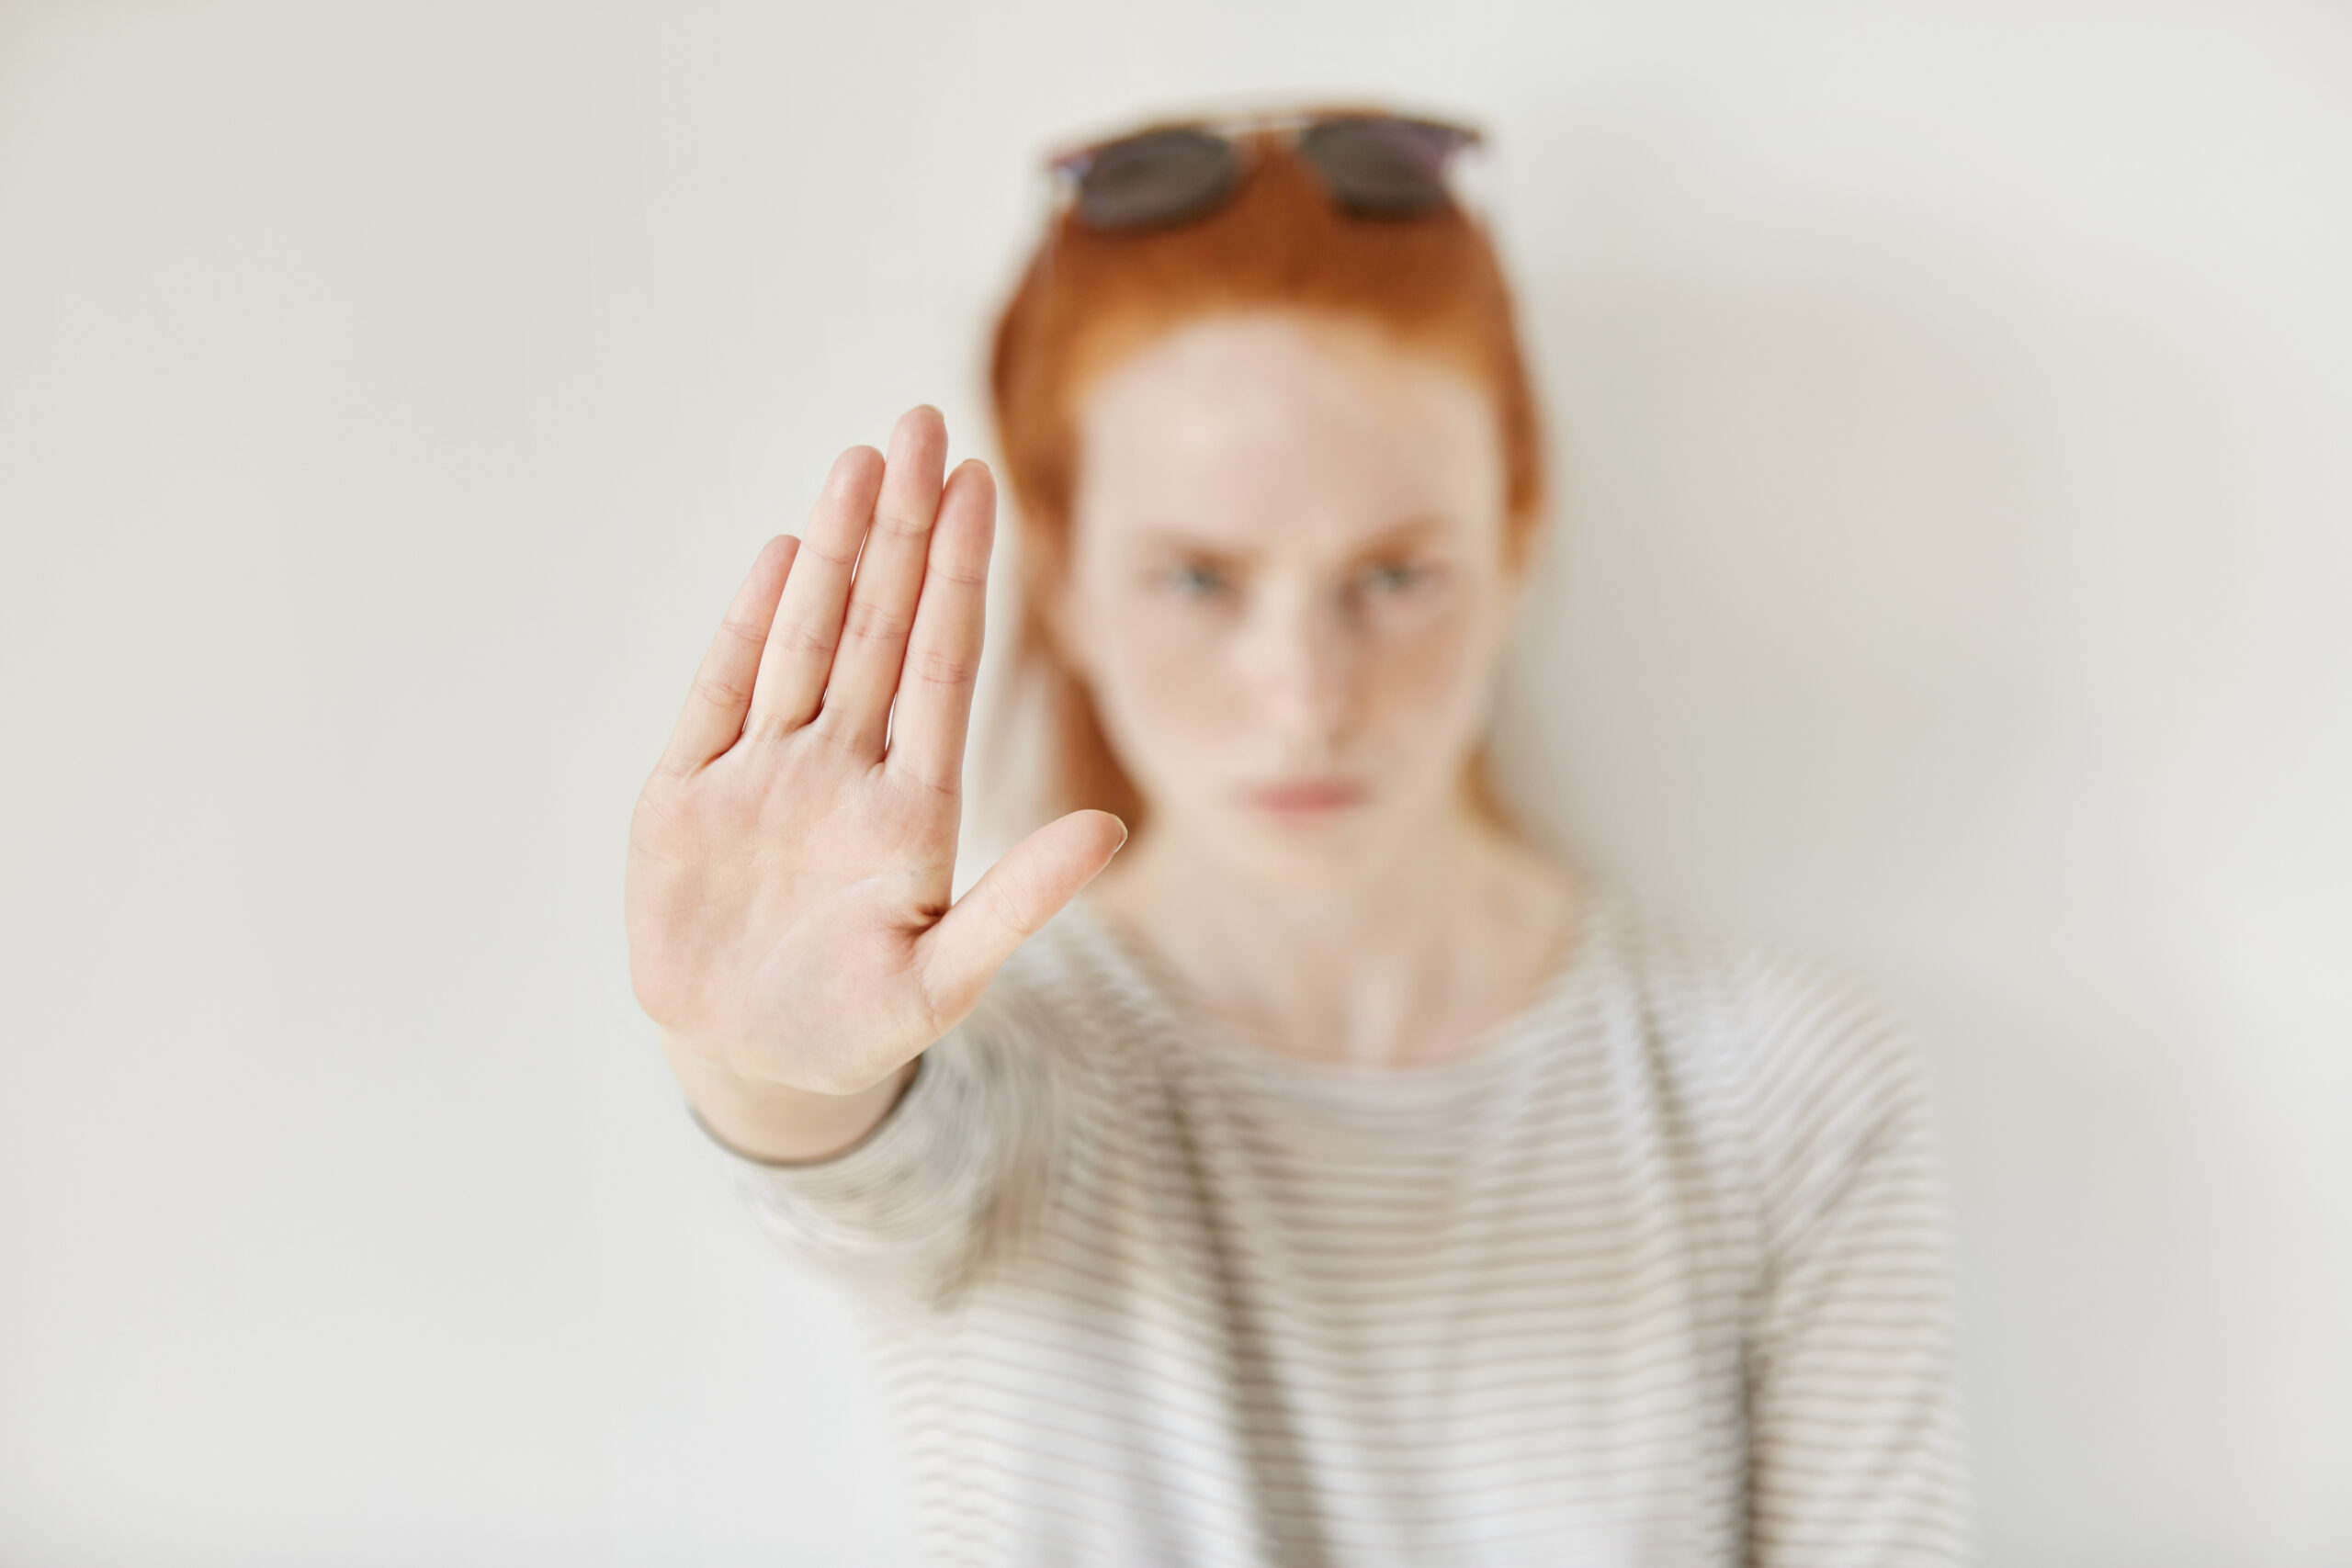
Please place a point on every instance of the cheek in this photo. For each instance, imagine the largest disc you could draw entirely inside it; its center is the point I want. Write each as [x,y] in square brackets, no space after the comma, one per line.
[1176,707]
[1427,680]
[1160,685]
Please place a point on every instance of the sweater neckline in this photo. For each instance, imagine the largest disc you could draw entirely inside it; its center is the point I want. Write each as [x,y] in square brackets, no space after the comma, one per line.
[1152,996]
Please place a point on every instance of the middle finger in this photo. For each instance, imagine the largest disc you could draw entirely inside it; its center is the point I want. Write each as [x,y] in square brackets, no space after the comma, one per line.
[856,709]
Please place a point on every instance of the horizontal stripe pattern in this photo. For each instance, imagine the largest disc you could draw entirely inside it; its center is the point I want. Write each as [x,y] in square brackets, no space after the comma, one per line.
[1656,1274]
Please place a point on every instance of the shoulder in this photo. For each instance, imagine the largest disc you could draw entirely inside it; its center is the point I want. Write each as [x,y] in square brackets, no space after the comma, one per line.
[1802,1051]
[1065,984]
[1814,1075]
[1064,963]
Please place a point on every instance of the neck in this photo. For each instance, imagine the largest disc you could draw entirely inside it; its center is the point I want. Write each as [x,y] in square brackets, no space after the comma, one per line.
[1403,955]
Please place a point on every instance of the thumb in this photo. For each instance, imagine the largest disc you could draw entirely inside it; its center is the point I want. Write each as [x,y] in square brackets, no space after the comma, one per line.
[1010,904]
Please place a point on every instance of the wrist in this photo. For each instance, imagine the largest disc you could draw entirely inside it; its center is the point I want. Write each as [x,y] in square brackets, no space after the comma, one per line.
[776,1121]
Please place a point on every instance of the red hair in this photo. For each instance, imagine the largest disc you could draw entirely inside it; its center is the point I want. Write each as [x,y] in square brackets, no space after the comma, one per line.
[1089,297]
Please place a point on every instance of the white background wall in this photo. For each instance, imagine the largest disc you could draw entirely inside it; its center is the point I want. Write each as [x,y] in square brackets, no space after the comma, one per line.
[1958,535]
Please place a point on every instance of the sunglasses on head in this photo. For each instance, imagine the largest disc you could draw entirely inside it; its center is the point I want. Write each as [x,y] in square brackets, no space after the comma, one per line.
[1373,166]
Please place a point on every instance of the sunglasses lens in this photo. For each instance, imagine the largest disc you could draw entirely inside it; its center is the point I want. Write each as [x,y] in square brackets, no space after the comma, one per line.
[1384,168]
[1158,177]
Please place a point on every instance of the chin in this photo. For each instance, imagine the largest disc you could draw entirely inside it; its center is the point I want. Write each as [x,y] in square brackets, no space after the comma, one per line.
[1303,832]
[1313,841]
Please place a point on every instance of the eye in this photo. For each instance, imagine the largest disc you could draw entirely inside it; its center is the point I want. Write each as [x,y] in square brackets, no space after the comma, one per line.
[1195,579]
[1394,577]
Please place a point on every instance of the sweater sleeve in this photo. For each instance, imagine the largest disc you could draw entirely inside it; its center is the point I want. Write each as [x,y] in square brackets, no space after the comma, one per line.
[943,1184]
[1856,1454]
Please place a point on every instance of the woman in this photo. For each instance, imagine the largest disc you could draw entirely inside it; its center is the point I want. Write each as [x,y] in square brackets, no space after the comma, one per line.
[1340,1179]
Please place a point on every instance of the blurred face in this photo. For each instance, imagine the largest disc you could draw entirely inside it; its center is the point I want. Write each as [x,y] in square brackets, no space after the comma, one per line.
[1287,588]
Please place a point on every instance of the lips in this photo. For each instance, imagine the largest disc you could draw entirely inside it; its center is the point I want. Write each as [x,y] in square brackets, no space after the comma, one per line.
[1306,797]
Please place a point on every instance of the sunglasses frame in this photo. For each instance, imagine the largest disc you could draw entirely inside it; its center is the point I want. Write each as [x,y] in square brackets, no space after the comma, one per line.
[1248,136]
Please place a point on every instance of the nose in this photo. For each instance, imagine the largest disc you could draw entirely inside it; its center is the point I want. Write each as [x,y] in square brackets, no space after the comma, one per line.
[1302,667]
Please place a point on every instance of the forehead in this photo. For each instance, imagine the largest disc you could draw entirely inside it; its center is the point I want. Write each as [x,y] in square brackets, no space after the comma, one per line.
[1265,427]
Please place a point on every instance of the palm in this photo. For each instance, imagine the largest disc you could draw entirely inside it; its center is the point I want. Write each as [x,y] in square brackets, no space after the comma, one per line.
[789,872]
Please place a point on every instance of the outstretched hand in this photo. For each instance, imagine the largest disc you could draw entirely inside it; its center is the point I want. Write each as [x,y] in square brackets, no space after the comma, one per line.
[790,858]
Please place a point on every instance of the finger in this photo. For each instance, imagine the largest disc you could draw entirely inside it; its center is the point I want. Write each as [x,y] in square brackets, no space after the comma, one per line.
[1010,904]
[798,658]
[714,713]
[934,702]
[856,707]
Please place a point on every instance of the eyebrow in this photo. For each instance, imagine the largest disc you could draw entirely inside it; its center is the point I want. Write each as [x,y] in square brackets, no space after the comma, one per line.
[1177,540]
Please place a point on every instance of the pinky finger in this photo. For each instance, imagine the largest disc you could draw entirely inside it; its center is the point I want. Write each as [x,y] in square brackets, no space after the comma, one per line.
[722,689]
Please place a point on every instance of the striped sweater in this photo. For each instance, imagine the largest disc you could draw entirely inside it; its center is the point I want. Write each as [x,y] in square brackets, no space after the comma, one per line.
[1654,1273]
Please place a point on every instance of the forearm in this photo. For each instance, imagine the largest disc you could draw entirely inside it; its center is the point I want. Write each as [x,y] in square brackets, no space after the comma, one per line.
[773,1121]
